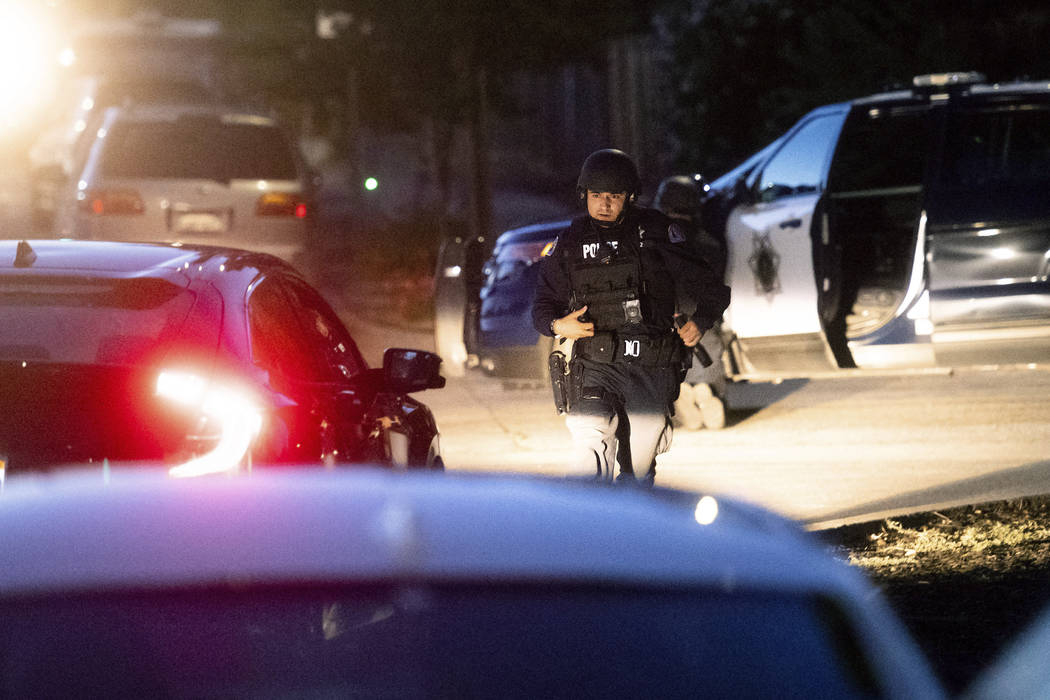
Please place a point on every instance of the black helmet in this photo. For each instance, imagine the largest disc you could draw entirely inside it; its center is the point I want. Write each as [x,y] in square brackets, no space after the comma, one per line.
[679,195]
[609,170]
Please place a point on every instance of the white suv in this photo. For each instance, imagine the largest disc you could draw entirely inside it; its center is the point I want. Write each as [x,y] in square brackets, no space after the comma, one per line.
[194,174]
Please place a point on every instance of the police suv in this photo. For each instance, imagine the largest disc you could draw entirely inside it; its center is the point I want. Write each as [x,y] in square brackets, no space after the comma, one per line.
[902,230]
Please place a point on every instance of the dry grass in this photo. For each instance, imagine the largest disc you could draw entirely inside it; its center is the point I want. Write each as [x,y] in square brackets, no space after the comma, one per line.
[977,540]
[964,581]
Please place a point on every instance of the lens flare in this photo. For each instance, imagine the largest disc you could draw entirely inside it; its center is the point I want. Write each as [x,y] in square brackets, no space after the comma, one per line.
[238,416]
[706,510]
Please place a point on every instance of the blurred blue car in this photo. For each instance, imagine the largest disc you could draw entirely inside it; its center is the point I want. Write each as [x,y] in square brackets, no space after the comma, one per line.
[507,344]
[369,584]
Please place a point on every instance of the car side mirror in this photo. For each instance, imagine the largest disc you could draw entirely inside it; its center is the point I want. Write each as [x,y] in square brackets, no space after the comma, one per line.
[406,370]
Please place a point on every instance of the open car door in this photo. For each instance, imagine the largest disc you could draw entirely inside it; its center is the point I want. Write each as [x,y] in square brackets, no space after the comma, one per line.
[774,314]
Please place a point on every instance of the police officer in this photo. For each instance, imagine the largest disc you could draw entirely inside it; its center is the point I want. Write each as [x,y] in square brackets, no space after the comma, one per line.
[612,284]
[700,401]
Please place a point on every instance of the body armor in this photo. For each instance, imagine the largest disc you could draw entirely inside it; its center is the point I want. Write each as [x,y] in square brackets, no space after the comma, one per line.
[617,274]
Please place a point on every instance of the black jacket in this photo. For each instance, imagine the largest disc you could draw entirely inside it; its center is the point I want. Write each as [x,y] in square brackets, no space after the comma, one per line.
[671,267]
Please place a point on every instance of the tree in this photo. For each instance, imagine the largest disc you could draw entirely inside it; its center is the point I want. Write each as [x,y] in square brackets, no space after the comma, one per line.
[434,67]
[745,70]
[426,67]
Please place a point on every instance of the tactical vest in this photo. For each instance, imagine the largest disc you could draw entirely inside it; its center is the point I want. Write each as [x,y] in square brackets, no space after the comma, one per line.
[619,276]
[622,282]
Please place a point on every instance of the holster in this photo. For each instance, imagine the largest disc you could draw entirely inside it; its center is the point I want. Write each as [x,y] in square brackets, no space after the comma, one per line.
[566,381]
[559,371]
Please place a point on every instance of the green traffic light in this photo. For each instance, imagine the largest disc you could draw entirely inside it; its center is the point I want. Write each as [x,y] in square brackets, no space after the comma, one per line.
[371,183]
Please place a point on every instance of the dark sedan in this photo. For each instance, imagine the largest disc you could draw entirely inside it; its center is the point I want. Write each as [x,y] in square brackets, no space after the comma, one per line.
[202,359]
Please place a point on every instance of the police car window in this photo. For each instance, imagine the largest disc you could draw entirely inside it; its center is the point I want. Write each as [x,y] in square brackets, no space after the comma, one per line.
[1002,146]
[798,167]
[880,150]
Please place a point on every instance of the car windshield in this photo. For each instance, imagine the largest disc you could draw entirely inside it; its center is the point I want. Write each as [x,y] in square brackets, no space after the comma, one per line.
[102,322]
[198,148]
[421,641]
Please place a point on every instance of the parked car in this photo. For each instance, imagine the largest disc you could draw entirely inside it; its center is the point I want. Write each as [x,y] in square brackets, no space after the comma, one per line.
[507,344]
[488,323]
[199,358]
[62,144]
[371,584]
[192,174]
[900,230]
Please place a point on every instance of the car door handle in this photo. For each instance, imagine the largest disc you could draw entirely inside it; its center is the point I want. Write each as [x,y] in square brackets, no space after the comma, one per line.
[791,223]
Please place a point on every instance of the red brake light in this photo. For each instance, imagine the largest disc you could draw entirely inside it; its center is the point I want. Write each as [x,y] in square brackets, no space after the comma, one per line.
[281,204]
[106,202]
[231,417]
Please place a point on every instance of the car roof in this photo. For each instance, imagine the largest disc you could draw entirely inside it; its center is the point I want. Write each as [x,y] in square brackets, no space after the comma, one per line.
[173,111]
[144,529]
[970,87]
[120,259]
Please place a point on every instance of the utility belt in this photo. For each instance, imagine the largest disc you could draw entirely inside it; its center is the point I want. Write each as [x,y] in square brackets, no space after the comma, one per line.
[645,350]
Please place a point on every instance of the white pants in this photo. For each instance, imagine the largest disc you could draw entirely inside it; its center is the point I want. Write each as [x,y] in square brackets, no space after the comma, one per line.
[596,439]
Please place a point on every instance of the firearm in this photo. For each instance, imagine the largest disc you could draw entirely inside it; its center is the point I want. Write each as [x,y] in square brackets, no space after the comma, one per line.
[558,366]
[698,350]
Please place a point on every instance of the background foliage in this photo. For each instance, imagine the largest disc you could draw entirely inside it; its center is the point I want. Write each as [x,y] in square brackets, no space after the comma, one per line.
[744,70]
[741,71]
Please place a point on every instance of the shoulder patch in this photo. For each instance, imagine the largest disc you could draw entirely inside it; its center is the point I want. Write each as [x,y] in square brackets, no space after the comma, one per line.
[675,233]
[548,250]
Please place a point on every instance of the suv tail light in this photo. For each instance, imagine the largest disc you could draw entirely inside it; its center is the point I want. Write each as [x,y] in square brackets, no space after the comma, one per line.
[281,204]
[229,419]
[106,202]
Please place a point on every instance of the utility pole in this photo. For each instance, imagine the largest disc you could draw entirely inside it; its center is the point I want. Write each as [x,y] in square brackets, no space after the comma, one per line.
[481,189]
[336,26]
